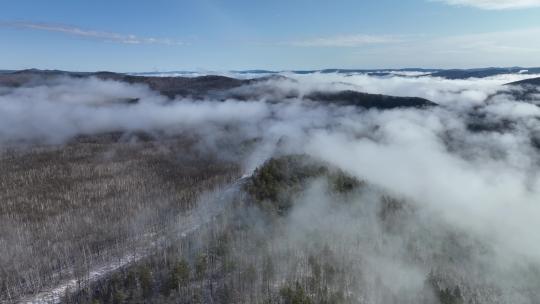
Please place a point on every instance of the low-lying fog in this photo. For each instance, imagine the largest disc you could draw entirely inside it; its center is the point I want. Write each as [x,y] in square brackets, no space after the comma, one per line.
[471,163]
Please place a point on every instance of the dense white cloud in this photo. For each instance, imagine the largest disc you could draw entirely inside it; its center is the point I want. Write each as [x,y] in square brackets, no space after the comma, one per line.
[58,110]
[495,4]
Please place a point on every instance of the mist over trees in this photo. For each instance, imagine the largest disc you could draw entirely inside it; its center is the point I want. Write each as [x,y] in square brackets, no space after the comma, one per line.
[341,241]
[293,188]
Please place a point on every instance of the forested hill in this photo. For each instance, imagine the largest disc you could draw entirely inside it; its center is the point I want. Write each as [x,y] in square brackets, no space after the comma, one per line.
[527,82]
[369,101]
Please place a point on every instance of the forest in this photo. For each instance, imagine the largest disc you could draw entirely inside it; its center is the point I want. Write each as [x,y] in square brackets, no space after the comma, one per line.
[66,209]
[249,254]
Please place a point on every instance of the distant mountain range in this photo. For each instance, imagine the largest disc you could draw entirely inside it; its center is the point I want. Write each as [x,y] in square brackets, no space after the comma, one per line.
[221,88]
[410,72]
[263,87]
[217,87]
[482,73]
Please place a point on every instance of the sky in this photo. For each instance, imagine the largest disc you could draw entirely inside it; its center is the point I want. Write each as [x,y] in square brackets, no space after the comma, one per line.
[206,35]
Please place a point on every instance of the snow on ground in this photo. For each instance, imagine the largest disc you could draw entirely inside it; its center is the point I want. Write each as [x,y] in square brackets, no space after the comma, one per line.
[207,211]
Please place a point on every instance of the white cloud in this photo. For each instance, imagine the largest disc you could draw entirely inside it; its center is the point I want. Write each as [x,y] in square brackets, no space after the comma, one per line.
[90,34]
[495,4]
[345,41]
[517,47]
[513,47]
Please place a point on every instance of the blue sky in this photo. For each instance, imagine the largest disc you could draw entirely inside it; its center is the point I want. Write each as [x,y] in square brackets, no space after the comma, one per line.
[162,35]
